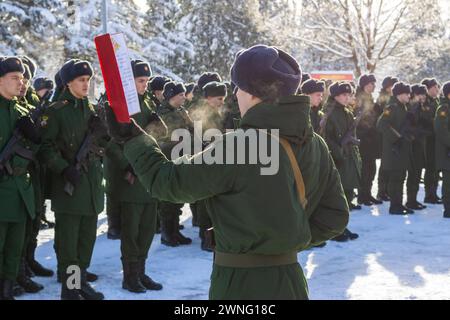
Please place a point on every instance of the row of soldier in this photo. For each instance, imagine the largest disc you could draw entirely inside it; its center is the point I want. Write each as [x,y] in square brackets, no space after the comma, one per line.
[58,130]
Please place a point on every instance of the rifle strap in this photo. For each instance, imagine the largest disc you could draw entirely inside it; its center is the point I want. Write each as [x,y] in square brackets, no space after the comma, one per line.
[300,183]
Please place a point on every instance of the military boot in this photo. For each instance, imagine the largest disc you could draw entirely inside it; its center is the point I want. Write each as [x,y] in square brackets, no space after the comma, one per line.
[25,282]
[131,277]
[180,238]
[446,210]
[6,288]
[432,199]
[413,204]
[168,235]
[113,225]
[343,237]
[146,281]
[34,265]
[17,290]
[69,294]
[87,292]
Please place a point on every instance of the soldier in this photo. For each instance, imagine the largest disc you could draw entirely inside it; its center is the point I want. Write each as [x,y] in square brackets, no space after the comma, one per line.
[397,148]
[431,178]
[339,132]
[16,189]
[442,130]
[175,117]
[382,101]
[190,87]
[314,89]
[232,115]
[369,140]
[137,209]
[42,85]
[260,221]
[415,110]
[77,192]
[156,89]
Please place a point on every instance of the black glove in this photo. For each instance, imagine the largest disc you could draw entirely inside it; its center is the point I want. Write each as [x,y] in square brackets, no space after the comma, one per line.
[29,130]
[72,175]
[121,132]
[97,126]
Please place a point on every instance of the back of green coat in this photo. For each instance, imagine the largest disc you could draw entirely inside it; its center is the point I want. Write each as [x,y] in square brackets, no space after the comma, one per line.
[442,130]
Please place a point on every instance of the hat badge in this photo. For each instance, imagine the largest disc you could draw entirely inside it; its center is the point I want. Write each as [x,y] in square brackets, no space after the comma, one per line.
[85,66]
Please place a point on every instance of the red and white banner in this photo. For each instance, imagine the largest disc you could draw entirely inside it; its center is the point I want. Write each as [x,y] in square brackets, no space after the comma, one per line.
[117,75]
[333,75]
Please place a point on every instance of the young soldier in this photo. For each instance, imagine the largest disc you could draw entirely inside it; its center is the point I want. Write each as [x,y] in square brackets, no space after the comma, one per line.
[42,85]
[261,221]
[367,133]
[156,86]
[137,209]
[415,110]
[68,122]
[442,129]
[431,178]
[382,101]
[397,148]
[314,89]
[16,189]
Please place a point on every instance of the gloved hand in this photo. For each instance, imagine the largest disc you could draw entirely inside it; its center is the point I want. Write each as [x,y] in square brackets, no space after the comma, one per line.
[121,132]
[29,129]
[72,175]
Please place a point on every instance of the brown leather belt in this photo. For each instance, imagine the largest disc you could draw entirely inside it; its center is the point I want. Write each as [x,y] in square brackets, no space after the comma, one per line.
[246,260]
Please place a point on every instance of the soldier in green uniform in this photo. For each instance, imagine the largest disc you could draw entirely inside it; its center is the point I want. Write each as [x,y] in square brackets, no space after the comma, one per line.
[156,89]
[42,86]
[416,112]
[370,140]
[261,221]
[138,210]
[68,122]
[315,89]
[16,188]
[431,178]
[175,117]
[382,101]
[442,129]
[397,148]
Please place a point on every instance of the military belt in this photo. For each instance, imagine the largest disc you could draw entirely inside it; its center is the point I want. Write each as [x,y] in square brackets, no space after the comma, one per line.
[247,260]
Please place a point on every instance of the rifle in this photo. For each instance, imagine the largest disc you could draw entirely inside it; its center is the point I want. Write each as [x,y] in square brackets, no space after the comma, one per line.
[13,146]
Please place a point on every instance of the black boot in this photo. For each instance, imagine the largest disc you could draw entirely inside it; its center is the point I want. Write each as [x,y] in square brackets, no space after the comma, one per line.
[397,210]
[35,266]
[343,237]
[413,204]
[408,210]
[87,292]
[432,199]
[446,210]
[383,196]
[351,235]
[91,277]
[6,290]
[25,282]
[131,280]
[354,207]
[69,294]
[180,238]
[17,290]
[375,201]
[168,236]
[364,200]
[146,281]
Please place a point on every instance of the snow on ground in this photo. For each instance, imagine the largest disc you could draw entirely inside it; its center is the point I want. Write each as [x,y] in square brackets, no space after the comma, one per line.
[395,258]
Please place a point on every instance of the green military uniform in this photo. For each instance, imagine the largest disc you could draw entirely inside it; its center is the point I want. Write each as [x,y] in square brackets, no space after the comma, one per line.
[256,216]
[383,177]
[138,210]
[65,127]
[174,119]
[442,130]
[418,158]
[431,178]
[397,149]
[347,158]
[16,195]
[316,117]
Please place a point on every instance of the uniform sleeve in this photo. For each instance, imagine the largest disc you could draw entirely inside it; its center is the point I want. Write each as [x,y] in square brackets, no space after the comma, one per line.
[49,152]
[186,182]
[385,126]
[332,213]
[336,150]
[441,127]
[115,152]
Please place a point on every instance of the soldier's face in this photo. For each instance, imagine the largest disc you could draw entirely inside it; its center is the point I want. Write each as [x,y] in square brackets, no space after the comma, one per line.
[178,100]
[159,95]
[79,87]
[433,91]
[421,98]
[370,88]
[10,84]
[216,102]
[190,96]
[246,101]
[141,84]
[344,99]
[42,92]
[316,98]
[24,87]
[403,98]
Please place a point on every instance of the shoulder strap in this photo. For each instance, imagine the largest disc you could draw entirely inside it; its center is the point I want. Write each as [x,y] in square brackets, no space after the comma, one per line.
[300,183]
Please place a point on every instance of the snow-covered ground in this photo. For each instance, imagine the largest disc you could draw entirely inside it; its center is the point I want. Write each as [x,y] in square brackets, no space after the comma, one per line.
[394,258]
